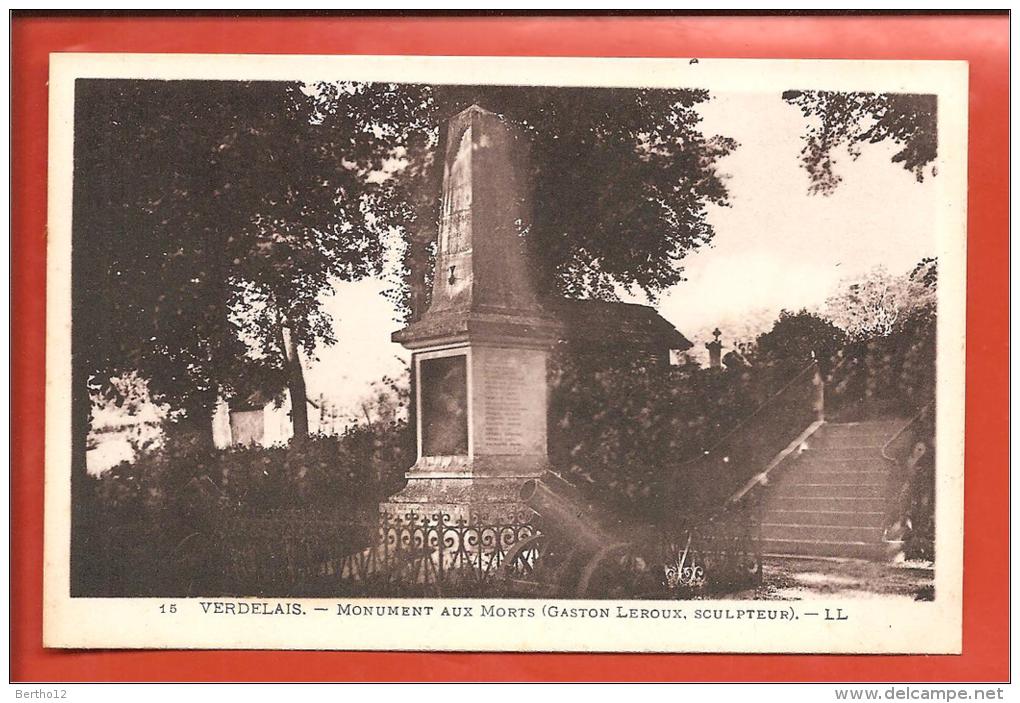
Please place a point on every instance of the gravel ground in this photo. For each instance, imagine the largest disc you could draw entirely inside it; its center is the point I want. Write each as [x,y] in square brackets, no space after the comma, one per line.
[797,579]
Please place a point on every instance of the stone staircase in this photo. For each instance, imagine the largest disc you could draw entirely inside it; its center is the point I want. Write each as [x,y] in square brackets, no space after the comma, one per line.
[830,497]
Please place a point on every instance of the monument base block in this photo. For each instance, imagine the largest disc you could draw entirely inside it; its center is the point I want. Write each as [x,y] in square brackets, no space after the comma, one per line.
[471,500]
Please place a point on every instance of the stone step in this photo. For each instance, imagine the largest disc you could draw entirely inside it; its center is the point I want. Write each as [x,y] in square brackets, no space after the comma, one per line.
[833,442]
[839,430]
[842,453]
[798,487]
[836,477]
[823,548]
[832,460]
[830,499]
[852,518]
[880,430]
[890,426]
[825,533]
[830,503]
[815,465]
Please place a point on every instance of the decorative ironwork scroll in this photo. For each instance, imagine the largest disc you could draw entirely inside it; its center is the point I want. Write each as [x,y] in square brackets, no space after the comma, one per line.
[720,555]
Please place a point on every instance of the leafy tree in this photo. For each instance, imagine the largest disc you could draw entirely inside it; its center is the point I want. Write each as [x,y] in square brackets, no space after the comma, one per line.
[888,364]
[877,302]
[621,180]
[800,336]
[210,218]
[851,120]
[924,280]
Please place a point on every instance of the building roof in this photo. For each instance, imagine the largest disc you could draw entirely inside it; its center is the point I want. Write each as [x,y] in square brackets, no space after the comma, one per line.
[600,323]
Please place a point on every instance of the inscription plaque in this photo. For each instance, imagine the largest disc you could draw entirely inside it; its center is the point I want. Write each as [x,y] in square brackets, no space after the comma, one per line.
[509,394]
[504,404]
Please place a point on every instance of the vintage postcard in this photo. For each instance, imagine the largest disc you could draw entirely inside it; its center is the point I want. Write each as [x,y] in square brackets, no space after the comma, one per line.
[505,354]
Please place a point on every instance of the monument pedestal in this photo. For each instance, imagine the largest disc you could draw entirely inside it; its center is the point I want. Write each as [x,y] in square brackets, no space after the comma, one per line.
[481,432]
[461,500]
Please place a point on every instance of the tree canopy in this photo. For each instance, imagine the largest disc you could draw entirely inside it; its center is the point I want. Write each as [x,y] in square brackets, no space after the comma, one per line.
[877,302]
[621,180]
[851,120]
[207,216]
[210,217]
[800,336]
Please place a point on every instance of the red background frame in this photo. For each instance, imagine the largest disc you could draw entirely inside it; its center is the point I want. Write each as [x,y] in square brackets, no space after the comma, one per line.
[981,40]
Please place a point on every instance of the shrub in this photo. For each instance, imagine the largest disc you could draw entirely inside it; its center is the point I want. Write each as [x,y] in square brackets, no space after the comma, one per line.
[153,518]
[320,473]
[620,432]
[889,374]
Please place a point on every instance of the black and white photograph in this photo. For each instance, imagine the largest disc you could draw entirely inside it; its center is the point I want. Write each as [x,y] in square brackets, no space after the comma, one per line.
[565,354]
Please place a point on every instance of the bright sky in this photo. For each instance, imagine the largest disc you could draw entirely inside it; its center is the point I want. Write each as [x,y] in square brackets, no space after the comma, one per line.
[775,247]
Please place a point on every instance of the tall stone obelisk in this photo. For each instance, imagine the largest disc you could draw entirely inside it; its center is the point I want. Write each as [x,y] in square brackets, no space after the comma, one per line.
[480,350]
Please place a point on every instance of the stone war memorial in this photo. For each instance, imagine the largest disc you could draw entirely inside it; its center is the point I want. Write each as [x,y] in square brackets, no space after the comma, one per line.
[480,351]
[482,483]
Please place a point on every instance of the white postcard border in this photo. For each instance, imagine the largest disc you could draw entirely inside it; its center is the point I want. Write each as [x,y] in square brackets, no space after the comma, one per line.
[921,627]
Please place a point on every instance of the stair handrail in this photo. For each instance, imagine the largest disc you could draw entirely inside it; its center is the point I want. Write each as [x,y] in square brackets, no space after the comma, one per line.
[739,492]
[760,479]
[910,423]
[813,366]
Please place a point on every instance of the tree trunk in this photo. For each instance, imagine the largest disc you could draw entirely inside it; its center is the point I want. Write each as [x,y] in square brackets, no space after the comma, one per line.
[296,385]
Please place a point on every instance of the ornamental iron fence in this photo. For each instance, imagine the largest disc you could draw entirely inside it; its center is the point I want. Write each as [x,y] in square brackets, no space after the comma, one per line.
[524,555]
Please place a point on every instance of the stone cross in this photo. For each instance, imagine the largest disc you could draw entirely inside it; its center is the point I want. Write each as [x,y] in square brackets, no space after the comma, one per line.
[715,350]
